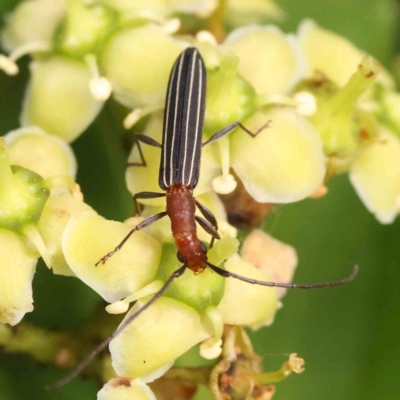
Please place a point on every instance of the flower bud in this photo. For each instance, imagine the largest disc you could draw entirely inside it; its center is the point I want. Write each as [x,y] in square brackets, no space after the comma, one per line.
[32,22]
[138,62]
[244,303]
[270,60]
[229,97]
[84,27]
[124,389]
[17,268]
[22,194]
[166,330]
[375,175]
[58,98]
[198,291]
[88,237]
[44,154]
[284,162]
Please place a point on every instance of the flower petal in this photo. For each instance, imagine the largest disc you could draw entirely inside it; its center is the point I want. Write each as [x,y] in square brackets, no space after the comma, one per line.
[244,303]
[55,216]
[58,98]
[89,237]
[18,264]
[270,60]
[375,175]
[138,63]
[284,163]
[32,21]
[125,389]
[44,154]
[162,333]
[275,258]
[328,52]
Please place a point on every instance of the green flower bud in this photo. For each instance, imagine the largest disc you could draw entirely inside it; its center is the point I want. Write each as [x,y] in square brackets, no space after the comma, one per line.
[229,97]
[85,28]
[244,303]
[32,22]
[56,214]
[197,291]
[125,389]
[375,175]
[156,338]
[138,62]
[88,237]
[139,179]
[58,98]
[44,154]
[270,60]
[22,194]
[334,118]
[284,163]
[18,263]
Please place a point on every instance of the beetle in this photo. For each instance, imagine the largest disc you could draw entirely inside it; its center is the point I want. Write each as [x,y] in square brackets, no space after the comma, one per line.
[178,176]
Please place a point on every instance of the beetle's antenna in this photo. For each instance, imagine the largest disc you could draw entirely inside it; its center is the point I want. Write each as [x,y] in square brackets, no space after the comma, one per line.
[124,324]
[227,274]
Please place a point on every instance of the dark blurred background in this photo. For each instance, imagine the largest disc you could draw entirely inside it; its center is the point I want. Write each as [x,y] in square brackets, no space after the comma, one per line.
[348,336]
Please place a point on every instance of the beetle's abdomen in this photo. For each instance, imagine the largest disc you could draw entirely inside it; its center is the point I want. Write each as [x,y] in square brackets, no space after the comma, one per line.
[181,210]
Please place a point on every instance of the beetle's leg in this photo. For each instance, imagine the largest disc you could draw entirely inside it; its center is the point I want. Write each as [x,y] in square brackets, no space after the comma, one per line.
[209,216]
[122,326]
[230,128]
[145,195]
[209,228]
[143,224]
[146,140]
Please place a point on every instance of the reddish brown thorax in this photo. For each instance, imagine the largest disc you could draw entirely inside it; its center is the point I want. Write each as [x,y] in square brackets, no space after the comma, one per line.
[181,209]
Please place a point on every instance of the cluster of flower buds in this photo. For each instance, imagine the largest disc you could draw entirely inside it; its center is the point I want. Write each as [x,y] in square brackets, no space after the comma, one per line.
[331,109]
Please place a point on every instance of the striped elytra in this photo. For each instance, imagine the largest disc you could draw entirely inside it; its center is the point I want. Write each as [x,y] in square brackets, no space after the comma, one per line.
[183,121]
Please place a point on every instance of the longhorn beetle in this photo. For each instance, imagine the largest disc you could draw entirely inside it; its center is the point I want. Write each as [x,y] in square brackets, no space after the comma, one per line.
[178,176]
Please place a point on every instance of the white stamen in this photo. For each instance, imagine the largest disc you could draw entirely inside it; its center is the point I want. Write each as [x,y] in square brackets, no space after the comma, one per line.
[306,103]
[100,87]
[138,113]
[206,37]
[210,350]
[8,64]
[171,26]
[133,117]
[118,307]
[224,184]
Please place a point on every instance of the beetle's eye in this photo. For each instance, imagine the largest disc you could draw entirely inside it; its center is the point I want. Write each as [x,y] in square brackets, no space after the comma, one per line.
[179,256]
[203,247]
